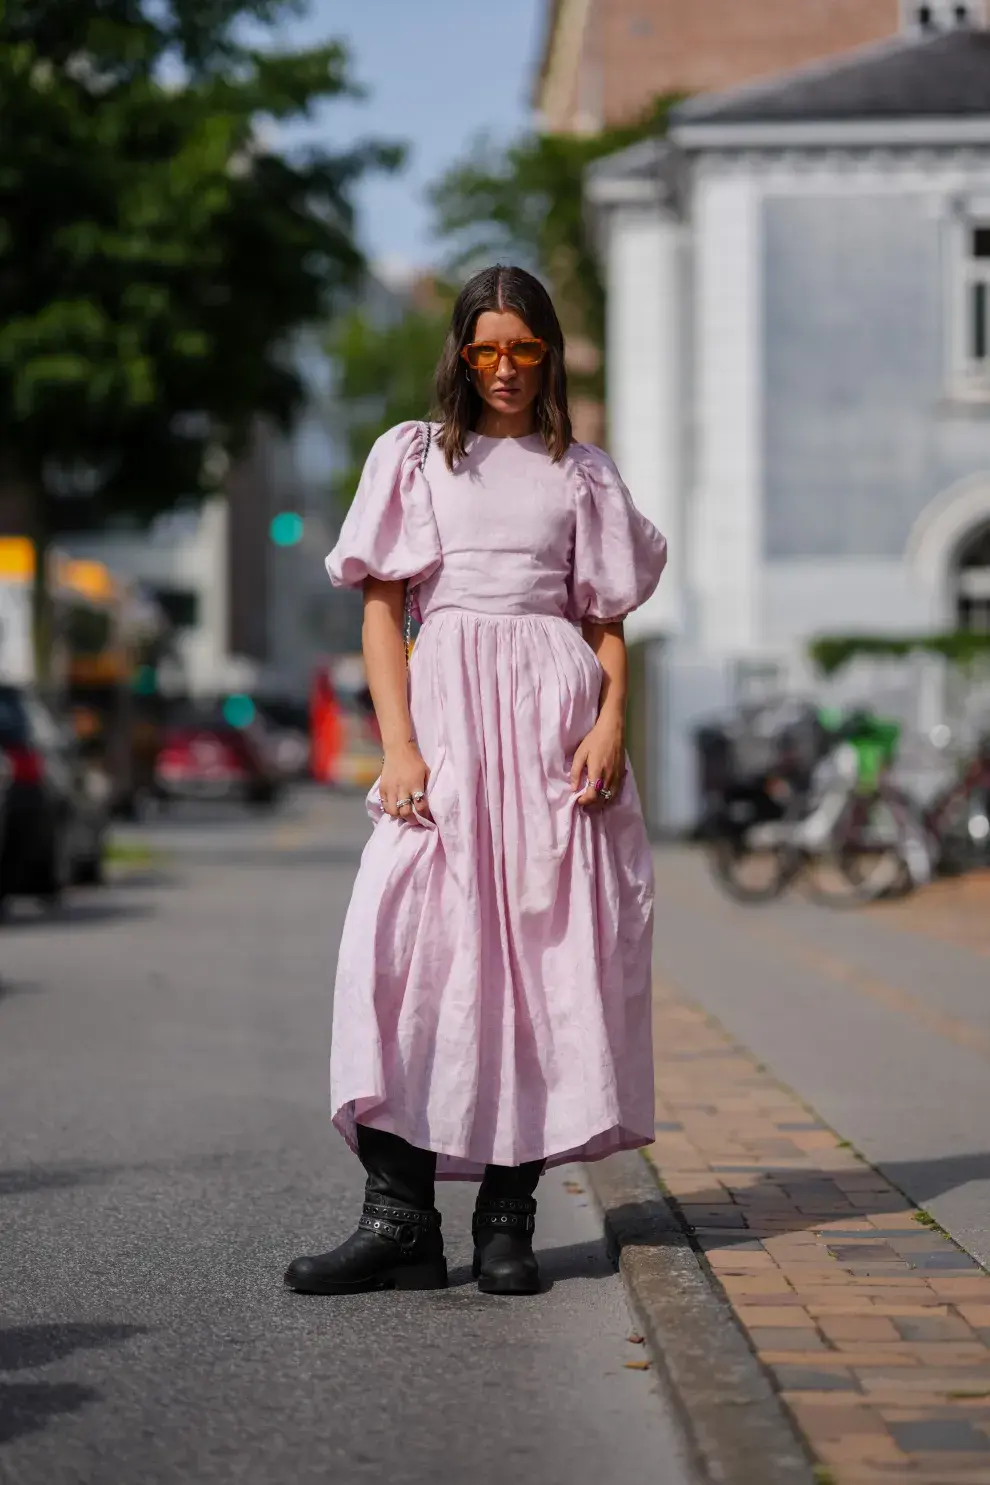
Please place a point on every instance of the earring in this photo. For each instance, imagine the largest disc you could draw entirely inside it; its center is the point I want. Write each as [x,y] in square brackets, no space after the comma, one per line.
[467,378]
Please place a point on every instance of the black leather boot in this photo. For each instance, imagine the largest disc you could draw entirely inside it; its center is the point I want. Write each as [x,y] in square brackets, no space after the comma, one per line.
[398,1244]
[503,1225]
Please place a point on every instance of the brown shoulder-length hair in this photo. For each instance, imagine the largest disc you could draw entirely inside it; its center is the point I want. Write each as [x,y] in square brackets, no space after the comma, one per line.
[458,405]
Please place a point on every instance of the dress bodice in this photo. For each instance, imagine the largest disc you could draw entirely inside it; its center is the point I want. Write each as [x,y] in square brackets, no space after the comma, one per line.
[505,522]
[507,531]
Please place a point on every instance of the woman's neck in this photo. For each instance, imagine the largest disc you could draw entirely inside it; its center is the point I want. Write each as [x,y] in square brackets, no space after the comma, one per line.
[493,424]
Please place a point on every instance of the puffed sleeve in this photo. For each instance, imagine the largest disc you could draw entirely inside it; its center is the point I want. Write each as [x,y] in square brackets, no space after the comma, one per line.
[618,554]
[389,531]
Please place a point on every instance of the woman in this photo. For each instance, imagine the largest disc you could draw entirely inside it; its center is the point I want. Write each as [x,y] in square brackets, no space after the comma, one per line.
[492,1007]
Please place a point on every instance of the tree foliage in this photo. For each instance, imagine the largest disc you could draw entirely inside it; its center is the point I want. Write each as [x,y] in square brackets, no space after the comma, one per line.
[962,647]
[385,374]
[524,203]
[155,256]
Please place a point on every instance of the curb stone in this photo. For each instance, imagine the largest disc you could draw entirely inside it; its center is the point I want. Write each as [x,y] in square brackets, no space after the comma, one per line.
[738,1428]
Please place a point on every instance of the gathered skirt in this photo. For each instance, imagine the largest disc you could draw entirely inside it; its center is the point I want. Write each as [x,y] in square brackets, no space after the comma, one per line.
[492,997]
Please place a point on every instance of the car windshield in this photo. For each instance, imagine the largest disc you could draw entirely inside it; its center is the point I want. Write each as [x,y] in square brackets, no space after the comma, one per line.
[13,717]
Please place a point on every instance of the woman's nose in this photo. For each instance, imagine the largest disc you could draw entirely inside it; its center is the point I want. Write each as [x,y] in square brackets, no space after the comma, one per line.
[505,365]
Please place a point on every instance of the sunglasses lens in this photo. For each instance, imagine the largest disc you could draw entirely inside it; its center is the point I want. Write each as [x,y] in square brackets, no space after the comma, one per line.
[527,352]
[482,356]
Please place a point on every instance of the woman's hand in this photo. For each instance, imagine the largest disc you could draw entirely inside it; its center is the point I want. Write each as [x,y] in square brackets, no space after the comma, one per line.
[602,757]
[404,774]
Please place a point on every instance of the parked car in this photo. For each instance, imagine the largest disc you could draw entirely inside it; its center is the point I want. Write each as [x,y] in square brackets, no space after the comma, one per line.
[6,776]
[286,720]
[203,756]
[58,801]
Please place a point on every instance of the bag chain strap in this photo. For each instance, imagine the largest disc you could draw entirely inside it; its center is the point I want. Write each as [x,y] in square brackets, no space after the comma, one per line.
[407,622]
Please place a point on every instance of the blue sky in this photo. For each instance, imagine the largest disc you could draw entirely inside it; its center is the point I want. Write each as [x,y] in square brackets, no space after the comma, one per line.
[438,72]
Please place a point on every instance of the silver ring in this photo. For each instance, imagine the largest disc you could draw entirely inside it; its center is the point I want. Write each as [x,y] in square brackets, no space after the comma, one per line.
[401,803]
[606,794]
[419,796]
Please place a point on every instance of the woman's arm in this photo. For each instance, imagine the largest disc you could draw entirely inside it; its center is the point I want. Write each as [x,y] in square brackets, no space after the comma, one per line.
[403,771]
[602,754]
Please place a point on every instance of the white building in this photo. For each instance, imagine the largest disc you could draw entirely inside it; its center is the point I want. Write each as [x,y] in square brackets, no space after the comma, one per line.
[799,359]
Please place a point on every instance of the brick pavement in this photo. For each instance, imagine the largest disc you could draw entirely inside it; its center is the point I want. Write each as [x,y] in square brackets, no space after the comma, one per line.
[875,1327]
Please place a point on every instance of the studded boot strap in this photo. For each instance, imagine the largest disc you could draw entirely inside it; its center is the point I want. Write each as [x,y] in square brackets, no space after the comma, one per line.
[509,1214]
[402,1225]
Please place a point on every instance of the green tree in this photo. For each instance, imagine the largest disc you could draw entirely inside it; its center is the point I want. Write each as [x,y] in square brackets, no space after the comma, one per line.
[385,375]
[524,203]
[155,256]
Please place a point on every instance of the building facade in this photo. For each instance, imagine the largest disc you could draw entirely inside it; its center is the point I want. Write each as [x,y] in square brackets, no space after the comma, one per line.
[604,61]
[799,352]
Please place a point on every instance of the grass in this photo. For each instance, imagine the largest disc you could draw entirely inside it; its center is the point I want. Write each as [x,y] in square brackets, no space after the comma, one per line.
[132,853]
[925,1219]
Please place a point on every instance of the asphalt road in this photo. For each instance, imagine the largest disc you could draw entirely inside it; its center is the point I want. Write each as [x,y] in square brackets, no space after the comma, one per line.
[165,1148]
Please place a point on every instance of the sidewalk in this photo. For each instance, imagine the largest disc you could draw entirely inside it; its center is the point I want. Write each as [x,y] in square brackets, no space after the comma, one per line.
[873,1324]
[875,1328]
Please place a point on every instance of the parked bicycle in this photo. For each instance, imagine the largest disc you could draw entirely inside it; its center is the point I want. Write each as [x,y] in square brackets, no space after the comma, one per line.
[958,818]
[824,811]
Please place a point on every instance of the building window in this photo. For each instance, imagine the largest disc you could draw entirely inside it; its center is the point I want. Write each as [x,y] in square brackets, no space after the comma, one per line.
[971,309]
[972,583]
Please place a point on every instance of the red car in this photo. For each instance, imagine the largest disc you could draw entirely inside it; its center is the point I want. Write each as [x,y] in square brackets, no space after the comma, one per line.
[208,758]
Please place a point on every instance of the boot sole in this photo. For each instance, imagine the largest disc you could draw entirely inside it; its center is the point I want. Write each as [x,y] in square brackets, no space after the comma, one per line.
[417,1276]
[499,1286]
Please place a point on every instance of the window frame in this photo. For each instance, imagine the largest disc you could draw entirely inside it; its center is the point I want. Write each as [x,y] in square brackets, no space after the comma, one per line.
[968,376]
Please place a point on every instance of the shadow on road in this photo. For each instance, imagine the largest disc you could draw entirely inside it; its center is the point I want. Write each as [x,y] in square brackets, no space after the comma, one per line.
[31,1178]
[557,1265]
[24,1347]
[27,1407]
[73,914]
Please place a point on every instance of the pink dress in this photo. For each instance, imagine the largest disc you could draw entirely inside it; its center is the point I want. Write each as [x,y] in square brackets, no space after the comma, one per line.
[493,987]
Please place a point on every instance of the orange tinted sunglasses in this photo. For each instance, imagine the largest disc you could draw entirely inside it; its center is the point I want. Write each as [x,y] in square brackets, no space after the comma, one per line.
[485,355]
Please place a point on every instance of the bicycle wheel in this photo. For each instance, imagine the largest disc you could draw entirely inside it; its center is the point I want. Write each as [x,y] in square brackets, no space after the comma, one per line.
[962,830]
[751,874]
[877,848]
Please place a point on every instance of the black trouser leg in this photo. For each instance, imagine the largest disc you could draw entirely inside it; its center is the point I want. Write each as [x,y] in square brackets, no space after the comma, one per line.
[398,1244]
[504,1220]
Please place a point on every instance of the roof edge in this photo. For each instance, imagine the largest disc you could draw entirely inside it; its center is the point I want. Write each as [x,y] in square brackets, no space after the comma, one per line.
[905,132]
[696,107]
[546,50]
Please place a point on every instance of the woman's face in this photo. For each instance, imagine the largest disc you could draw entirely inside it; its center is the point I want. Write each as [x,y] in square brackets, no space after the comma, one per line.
[506,388]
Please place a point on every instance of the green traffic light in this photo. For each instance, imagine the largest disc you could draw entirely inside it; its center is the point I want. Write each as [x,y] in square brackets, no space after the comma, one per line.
[239,711]
[286,529]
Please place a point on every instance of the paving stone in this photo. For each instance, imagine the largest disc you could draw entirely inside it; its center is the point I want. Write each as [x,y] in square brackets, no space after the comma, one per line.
[785,1338]
[945,1261]
[932,1328]
[774,1315]
[857,1328]
[871,1252]
[807,1379]
[933,1435]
